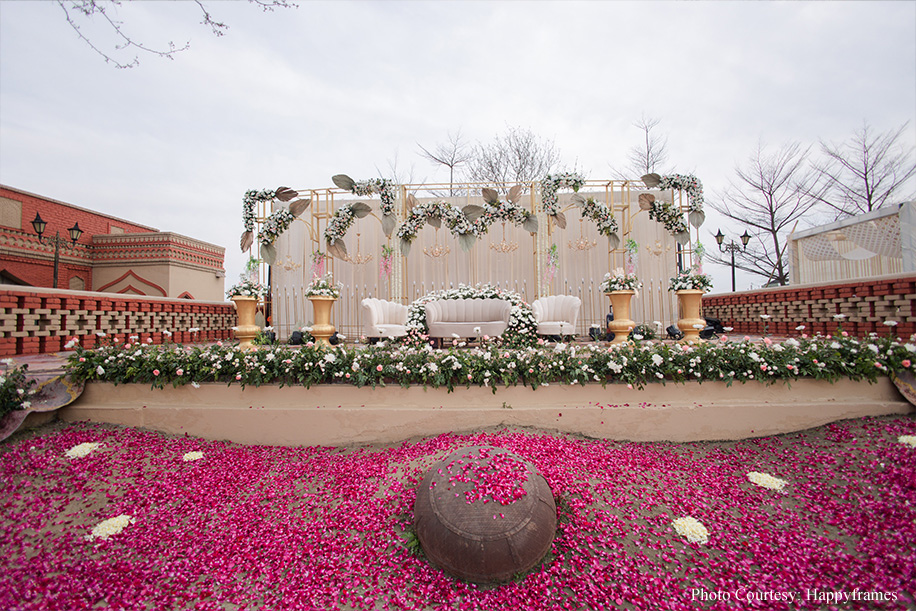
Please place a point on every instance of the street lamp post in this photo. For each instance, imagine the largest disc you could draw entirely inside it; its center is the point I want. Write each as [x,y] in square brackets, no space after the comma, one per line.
[732,248]
[39,226]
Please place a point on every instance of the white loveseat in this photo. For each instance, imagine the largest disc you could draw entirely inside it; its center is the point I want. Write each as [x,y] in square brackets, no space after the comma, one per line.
[557,314]
[384,318]
[461,317]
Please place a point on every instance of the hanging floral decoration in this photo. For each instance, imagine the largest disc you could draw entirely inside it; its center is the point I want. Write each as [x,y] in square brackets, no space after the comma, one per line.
[495,210]
[319,260]
[632,255]
[434,213]
[683,182]
[522,327]
[552,264]
[276,223]
[669,215]
[386,262]
[552,183]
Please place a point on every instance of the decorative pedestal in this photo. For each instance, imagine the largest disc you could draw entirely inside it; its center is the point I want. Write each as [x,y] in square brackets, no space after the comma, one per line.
[246,308]
[689,306]
[322,329]
[621,325]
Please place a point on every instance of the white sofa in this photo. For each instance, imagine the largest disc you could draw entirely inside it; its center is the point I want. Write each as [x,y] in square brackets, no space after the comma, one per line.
[557,314]
[384,318]
[461,317]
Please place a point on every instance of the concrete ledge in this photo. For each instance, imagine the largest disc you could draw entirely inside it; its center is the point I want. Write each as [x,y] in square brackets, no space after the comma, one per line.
[333,415]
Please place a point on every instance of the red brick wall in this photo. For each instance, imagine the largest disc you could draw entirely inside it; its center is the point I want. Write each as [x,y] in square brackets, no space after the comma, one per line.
[866,304]
[35,321]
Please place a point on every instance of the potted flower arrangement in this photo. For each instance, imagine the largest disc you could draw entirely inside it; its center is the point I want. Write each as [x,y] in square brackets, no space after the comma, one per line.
[620,287]
[689,287]
[322,292]
[245,295]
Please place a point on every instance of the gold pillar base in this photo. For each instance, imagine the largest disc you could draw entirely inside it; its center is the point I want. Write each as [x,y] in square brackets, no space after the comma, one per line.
[621,325]
[322,329]
[689,301]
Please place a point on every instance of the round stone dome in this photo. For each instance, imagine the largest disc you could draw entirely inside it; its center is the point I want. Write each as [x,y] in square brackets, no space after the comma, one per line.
[484,514]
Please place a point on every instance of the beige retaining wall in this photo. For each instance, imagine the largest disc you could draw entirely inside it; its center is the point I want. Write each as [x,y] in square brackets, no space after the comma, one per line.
[334,415]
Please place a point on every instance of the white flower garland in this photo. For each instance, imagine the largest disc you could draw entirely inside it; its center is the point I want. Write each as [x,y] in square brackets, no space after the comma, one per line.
[454,219]
[688,183]
[386,189]
[251,198]
[339,224]
[552,183]
[81,450]
[111,526]
[602,216]
[192,456]
[909,440]
[668,215]
[501,211]
[522,323]
[276,224]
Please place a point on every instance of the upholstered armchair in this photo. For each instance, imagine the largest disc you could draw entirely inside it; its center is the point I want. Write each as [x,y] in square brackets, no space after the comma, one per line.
[557,314]
[383,318]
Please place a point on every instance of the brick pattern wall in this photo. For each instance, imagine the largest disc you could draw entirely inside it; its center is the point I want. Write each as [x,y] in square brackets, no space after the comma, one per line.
[866,304]
[36,321]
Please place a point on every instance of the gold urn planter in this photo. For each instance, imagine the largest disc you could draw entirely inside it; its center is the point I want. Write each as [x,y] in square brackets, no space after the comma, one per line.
[247,330]
[689,301]
[621,325]
[322,329]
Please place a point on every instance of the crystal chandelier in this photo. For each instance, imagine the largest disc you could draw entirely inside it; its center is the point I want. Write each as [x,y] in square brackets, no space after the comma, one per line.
[290,265]
[359,259]
[437,250]
[504,247]
[582,244]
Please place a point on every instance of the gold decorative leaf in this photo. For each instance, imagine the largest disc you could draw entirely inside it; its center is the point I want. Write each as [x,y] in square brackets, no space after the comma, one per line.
[531,224]
[466,241]
[645,201]
[651,180]
[246,241]
[284,194]
[343,181]
[473,212]
[388,224]
[405,247]
[613,241]
[338,249]
[360,210]
[490,195]
[268,253]
[299,206]
[514,194]
[560,220]
[696,218]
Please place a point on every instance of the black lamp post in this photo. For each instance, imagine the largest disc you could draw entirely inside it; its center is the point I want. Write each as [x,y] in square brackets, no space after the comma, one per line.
[732,248]
[39,225]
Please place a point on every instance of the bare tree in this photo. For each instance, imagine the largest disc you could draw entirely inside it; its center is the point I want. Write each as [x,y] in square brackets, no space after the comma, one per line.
[397,172]
[517,156]
[867,171]
[774,191]
[451,154]
[649,155]
[84,11]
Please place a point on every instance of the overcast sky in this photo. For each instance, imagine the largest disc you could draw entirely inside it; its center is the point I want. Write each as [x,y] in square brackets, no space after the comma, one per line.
[294,96]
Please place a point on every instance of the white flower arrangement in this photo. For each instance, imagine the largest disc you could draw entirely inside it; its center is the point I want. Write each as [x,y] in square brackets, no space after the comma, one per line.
[909,440]
[454,218]
[690,280]
[522,324]
[323,286]
[339,224]
[192,456]
[692,529]
[247,288]
[620,281]
[502,211]
[111,526]
[552,183]
[766,481]
[276,224]
[81,450]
